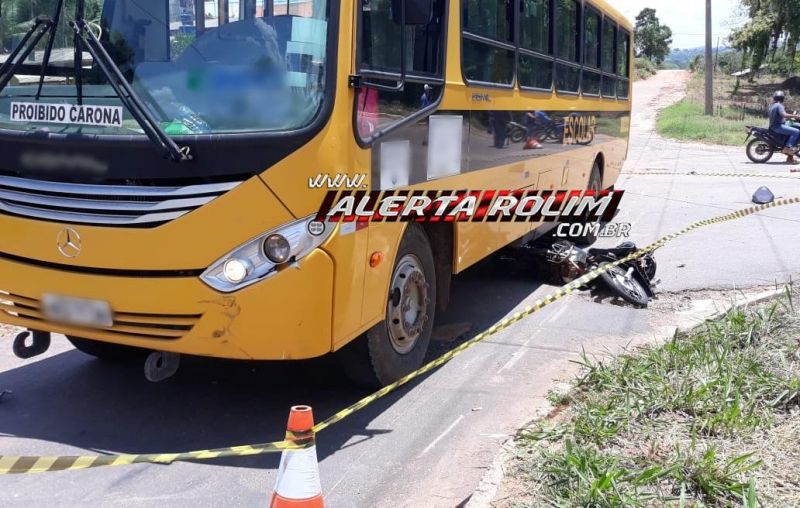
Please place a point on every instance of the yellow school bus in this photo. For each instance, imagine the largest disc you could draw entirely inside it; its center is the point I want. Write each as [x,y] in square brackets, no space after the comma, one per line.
[161,162]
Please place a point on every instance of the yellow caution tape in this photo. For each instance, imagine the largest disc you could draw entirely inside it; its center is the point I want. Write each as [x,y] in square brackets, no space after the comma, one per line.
[18,465]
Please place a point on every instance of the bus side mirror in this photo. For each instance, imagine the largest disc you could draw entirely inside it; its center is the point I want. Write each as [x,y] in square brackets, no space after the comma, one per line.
[418,12]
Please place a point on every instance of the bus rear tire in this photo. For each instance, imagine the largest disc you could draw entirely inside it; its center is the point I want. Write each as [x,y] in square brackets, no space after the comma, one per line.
[397,345]
[595,184]
[107,351]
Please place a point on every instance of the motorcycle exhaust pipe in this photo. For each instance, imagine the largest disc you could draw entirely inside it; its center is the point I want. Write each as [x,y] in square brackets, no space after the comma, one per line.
[31,343]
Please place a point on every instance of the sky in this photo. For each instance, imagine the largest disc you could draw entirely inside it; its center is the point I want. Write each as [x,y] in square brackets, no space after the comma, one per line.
[687,18]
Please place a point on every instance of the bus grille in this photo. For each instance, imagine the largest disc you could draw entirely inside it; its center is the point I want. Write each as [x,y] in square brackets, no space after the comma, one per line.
[114,205]
[126,324]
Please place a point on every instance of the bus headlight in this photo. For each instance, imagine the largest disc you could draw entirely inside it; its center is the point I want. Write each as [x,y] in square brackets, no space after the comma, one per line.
[263,256]
[236,270]
[277,248]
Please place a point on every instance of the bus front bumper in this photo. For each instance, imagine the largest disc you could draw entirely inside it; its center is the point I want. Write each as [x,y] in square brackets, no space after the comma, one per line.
[286,316]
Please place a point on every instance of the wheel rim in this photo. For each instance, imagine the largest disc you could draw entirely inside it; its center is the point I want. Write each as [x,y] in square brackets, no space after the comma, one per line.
[760,151]
[407,311]
[626,282]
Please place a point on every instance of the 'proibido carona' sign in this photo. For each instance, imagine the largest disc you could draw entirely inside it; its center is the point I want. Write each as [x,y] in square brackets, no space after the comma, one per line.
[87,114]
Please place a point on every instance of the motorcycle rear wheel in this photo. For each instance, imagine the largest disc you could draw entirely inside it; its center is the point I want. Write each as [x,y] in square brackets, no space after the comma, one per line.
[759,151]
[627,288]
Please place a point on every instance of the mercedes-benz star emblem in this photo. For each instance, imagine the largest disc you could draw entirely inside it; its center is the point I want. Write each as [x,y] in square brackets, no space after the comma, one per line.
[69,243]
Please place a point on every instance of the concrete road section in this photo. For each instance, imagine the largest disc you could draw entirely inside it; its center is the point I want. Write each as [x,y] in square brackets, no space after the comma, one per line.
[430,443]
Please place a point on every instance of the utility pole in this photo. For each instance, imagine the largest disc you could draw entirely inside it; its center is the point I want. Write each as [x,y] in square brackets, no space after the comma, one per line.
[709,64]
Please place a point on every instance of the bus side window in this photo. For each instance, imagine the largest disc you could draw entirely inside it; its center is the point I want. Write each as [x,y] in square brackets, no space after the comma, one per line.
[379,60]
[592,78]
[609,44]
[536,45]
[568,50]
[623,66]
[488,49]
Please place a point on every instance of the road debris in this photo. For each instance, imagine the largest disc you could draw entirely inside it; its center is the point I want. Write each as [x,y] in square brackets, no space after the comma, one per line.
[763,196]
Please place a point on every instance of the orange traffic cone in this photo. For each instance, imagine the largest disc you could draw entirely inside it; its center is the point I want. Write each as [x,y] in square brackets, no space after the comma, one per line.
[298,482]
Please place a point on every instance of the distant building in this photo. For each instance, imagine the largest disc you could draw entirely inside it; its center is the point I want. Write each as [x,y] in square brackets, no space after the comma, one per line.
[182,12]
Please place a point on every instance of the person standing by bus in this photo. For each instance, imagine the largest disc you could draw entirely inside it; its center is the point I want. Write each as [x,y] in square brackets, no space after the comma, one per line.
[425,100]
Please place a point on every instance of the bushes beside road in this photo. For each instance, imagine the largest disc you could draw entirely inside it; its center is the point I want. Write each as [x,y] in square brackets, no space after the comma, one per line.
[644,68]
[710,418]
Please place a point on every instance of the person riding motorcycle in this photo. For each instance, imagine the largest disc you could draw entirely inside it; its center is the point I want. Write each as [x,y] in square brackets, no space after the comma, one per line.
[777,124]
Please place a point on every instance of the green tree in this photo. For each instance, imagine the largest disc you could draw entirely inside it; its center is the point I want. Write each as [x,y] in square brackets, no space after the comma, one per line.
[652,38]
[771,32]
[17,16]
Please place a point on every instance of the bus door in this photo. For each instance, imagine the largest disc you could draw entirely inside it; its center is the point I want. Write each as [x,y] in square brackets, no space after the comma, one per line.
[398,80]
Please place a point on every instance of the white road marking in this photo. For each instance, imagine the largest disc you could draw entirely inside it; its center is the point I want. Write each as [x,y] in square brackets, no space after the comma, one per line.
[442,435]
[515,357]
[520,352]
[557,314]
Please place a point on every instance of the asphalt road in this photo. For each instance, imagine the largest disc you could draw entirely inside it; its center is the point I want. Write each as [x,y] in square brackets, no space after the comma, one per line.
[430,443]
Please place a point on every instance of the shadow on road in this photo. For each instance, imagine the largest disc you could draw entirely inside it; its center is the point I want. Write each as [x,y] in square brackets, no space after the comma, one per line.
[76,400]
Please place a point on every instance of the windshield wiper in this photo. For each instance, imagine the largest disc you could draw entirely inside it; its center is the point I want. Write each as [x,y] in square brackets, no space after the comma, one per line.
[126,93]
[49,48]
[41,26]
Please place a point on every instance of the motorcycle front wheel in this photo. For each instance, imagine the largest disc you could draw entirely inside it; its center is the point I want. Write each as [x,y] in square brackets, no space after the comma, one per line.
[759,151]
[626,287]
[517,136]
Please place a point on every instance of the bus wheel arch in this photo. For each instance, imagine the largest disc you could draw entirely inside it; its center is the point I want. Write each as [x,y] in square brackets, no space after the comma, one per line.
[595,183]
[442,239]
[600,163]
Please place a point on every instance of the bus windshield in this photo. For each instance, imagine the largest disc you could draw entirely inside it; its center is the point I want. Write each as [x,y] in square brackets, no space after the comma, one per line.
[200,67]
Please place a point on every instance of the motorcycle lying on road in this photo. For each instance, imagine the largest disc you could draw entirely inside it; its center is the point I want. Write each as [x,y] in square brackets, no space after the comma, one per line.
[633,281]
[765,143]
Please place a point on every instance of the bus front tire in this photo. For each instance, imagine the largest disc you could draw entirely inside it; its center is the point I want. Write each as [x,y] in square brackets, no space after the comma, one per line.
[397,345]
[106,350]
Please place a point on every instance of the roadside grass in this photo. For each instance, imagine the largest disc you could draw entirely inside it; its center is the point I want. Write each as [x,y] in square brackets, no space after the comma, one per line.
[737,104]
[711,418]
[686,121]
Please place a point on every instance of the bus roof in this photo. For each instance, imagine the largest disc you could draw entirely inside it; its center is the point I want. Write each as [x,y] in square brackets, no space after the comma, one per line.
[606,7]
